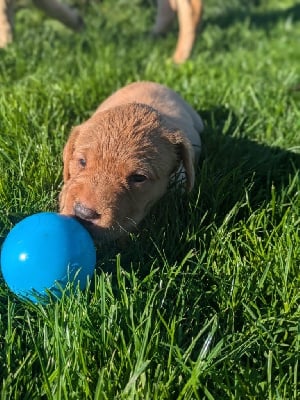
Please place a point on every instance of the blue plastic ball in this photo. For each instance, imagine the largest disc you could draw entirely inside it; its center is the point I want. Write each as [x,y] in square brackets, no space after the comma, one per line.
[44,252]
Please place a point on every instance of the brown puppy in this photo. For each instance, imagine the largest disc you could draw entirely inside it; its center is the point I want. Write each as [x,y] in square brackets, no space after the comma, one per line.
[120,161]
[189,13]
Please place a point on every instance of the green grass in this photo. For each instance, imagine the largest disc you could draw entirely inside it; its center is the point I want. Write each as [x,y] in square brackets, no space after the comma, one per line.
[204,302]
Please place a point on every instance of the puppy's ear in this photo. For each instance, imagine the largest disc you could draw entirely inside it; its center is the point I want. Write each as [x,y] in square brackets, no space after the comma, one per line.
[68,152]
[185,155]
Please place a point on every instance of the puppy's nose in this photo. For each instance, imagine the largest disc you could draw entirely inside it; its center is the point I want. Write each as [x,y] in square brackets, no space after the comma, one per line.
[86,213]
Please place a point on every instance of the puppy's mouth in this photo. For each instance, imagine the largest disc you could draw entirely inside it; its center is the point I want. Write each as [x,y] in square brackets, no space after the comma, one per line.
[99,234]
[87,224]
[89,218]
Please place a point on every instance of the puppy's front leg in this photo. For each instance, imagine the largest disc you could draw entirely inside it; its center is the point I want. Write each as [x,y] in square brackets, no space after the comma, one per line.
[6,22]
[189,15]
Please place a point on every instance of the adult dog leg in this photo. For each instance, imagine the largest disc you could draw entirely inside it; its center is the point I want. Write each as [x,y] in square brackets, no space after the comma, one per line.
[164,16]
[6,22]
[189,15]
[61,12]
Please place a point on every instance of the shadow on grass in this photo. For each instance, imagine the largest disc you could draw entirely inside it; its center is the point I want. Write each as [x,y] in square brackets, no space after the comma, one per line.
[241,161]
[261,20]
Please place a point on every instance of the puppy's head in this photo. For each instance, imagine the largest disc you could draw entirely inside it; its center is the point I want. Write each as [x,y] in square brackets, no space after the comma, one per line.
[117,165]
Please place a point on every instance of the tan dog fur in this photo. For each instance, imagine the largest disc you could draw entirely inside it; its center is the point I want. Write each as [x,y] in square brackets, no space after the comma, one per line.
[120,161]
[189,14]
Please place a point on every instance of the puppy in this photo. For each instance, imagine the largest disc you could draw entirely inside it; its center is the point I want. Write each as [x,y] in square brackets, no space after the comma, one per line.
[120,161]
[53,8]
[189,14]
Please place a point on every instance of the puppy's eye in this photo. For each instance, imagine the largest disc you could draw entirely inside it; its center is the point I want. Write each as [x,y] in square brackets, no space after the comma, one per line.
[82,162]
[137,178]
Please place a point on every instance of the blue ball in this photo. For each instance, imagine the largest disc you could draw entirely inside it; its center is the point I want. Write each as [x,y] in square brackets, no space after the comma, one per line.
[44,252]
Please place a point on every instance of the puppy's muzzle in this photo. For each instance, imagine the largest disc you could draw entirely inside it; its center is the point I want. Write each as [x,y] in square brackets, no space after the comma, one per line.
[85,213]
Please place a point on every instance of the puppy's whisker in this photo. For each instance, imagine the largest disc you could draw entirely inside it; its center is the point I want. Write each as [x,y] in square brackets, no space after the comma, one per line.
[122,229]
[132,221]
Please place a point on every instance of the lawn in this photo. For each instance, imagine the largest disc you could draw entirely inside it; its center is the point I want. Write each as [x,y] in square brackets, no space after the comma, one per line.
[204,302]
